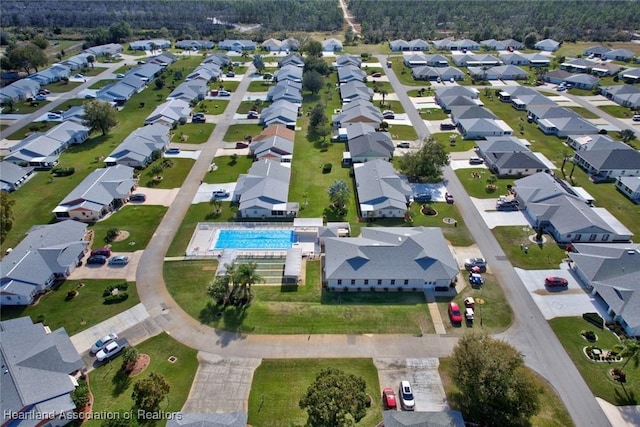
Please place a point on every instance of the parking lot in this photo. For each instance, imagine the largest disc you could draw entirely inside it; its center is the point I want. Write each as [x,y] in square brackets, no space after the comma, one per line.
[106,271]
[423,375]
[573,300]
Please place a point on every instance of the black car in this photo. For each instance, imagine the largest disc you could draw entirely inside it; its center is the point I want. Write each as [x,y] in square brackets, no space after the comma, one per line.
[97,259]
[422,197]
[138,197]
[199,118]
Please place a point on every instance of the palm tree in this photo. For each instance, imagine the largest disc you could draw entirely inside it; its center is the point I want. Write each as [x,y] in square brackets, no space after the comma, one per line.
[630,348]
[247,276]
[565,157]
[91,60]
[384,94]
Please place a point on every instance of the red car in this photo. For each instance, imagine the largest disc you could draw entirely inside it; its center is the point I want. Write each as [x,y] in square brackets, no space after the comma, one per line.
[389,399]
[556,282]
[454,313]
[104,251]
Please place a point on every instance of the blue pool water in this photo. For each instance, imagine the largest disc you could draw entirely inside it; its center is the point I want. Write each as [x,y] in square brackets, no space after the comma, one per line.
[254,239]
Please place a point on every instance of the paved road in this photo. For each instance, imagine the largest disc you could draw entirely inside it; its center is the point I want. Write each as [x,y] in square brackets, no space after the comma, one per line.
[530,332]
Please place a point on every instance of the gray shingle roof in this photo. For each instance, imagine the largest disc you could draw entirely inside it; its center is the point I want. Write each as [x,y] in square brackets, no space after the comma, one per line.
[611,159]
[265,185]
[378,185]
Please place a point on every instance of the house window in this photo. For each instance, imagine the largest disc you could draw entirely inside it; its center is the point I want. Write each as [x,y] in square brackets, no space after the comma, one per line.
[593,237]
[379,282]
[393,281]
[353,281]
[339,281]
[366,281]
[605,237]
[406,281]
[578,237]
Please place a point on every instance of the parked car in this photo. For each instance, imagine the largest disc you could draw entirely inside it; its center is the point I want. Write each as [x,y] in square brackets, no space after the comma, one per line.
[141,62]
[173,150]
[224,93]
[120,76]
[469,302]
[376,75]
[389,399]
[388,114]
[78,76]
[480,263]
[636,118]
[406,396]
[476,161]
[40,97]
[89,96]
[469,314]
[403,145]
[422,197]
[54,116]
[476,279]
[447,126]
[104,251]
[448,198]
[220,193]
[110,350]
[43,91]
[454,313]
[119,260]
[102,342]
[231,74]
[138,197]
[507,205]
[252,115]
[199,118]
[556,282]
[97,259]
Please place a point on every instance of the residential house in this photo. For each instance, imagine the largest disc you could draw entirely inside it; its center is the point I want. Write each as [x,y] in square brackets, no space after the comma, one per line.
[164,59]
[583,81]
[77,61]
[105,49]
[137,150]
[170,113]
[474,59]
[508,93]
[525,59]
[596,51]
[288,90]
[630,187]
[561,125]
[237,45]
[146,72]
[355,90]
[399,45]
[40,368]
[435,73]
[619,55]
[121,91]
[508,44]
[13,176]
[51,74]
[591,142]
[42,149]
[381,192]
[292,59]
[538,60]
[450,91]
[190,91]
[478,128]
[509,156]
[631,75]
[100,193]
[556,76]
[272,147]
[218,58]
[555,207]
[331,45]
[538,112]
[151,44]
[275,130]
[271,45]
[471,112]
[19,90]
[351,73]
[347,60]
[360,112]
[524,102]
[281,112]
[449,102]
[371,146]
[501,72]
[420,59]
[612,273]
[547,45]
[46,254]
[206,72]
[390,258]
[461,45]
[605,69]
[288,72]
[353,130]
[626,95]
[262,192]
[195,44]
[290,43]
[578,65]
[609,163]
[418,45]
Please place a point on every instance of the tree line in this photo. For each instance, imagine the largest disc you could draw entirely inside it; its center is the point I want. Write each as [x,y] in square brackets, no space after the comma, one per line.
[481,20]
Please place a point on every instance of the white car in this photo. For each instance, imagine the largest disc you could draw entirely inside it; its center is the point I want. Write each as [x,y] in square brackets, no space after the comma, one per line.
[102,342]
[407,401]
[221,193]
[108,351]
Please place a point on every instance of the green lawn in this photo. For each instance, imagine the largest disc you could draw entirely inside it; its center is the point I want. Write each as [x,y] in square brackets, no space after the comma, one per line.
[305,309]
[460,144]
[587,114]
[395,106]
[24,107]
[492,317]
[260,86]
[227,85]
[617,111]
[139,220]
[433,114]
[30,128]
[199,212]
[379,86]
[404,73]
[568,330]
[82,312]
[552,412]
[172,177]
[246,106]
[426,87]
[112,389]
[228,169]
[193,133]
[270,402]
[403,132]
[71,103]
[212,106]
[477,187]
[102,83]
[238,132]
[62,87]
[549,255]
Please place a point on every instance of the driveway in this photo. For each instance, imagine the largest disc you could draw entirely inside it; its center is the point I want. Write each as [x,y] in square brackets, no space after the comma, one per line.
[571,301]
[493,218]
[157,196]
[183,154]
[221,384]
[205,192]
[423,375]
[436,190]
[96,271]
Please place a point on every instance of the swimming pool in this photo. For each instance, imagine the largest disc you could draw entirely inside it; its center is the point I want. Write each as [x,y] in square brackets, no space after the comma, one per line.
[254,239]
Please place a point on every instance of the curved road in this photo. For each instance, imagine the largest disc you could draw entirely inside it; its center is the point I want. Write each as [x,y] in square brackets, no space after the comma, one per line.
[530,333]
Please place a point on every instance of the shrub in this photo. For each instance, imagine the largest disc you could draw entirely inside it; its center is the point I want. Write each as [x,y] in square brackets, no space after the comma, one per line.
[326,168]
[590,335]
[71,295]
[121,287]
[114,299]
[594,318]
[80,395]
[63,171]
